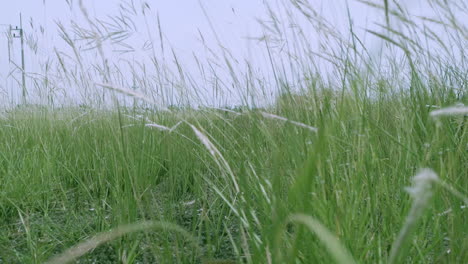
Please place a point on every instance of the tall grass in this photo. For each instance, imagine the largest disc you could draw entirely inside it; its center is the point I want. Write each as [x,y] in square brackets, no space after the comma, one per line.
[316,176]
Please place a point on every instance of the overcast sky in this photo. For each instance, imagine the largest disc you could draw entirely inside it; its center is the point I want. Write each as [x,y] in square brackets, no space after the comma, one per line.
[234,21]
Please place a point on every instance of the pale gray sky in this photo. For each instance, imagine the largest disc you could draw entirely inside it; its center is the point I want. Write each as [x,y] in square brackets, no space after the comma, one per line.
[234,21]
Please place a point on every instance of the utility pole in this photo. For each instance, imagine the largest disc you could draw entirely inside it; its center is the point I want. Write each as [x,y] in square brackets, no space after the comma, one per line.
[9,48]
[22,59]
[23,68]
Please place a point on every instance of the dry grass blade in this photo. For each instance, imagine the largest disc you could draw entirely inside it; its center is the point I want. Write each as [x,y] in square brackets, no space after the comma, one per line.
[450,111]
[157,126]
[134,94]
[82,248]
[284,119]
[218,157]
[331,242]
[164,128]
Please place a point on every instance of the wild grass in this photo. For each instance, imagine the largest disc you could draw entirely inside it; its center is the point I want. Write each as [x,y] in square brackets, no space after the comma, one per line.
[67,176]
[320,175]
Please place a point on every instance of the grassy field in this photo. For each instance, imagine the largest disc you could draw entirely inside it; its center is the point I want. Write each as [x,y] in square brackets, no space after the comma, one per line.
[320,176]
[69,174]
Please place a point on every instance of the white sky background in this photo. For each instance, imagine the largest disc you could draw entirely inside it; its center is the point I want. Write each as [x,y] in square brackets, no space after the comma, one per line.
[234,21]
